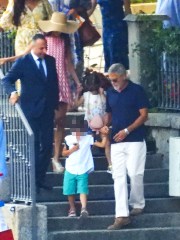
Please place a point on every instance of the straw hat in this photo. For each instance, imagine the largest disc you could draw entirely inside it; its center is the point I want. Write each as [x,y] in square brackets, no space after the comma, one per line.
[58,23]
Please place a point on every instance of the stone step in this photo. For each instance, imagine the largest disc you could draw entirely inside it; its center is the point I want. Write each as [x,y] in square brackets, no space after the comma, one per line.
[102,222]
[102,177]
[103,192]
[106,207]
[167,233]
[100,162]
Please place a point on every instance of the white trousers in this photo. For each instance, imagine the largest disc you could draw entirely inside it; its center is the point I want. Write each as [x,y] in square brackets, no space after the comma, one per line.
[128,158]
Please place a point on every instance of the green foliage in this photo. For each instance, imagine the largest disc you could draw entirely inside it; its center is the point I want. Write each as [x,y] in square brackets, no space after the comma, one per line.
[166,40]
[12,34]
[143,1]
[155,40]
[158,40]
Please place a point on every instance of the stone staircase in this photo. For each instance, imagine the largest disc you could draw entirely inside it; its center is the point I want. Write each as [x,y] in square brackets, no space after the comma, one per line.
[160,221]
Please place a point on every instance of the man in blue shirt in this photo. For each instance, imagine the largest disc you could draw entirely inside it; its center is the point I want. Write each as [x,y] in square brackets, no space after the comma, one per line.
[171,8]
[127,110]
[115,32]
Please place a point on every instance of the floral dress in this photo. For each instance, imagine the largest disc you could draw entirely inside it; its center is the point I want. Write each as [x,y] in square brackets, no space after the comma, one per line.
[29,23]
[94,104]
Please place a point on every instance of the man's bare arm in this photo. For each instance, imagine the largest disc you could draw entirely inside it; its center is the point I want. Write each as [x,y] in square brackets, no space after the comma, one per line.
[94,4]
[137,123]
[127,7]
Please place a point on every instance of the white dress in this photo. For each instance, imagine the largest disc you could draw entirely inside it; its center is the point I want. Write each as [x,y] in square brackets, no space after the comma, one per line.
[94,105]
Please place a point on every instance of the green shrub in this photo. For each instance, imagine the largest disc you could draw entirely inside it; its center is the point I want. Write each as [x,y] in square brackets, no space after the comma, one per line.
[143,1]
[155,43]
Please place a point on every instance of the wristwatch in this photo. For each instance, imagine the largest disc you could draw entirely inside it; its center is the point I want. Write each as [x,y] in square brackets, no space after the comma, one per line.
[126,131]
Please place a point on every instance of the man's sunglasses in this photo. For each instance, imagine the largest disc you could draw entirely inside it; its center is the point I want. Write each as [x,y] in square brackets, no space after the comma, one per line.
[114,80]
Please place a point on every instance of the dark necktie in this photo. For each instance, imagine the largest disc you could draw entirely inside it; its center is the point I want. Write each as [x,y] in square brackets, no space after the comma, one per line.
[41,68]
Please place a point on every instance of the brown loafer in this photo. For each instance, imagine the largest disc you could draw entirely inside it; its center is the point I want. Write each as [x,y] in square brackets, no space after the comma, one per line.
[119,223]
[136,211]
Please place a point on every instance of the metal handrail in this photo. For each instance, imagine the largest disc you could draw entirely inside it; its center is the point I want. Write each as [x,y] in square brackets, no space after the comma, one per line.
[20,151]
[6,48]
[169,82]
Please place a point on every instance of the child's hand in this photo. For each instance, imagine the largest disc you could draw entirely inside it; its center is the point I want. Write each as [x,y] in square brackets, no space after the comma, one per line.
[75,147]
[104,130]
[79,88]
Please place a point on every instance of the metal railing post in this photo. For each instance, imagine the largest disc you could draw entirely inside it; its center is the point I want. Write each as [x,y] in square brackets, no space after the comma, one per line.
[169,83]
[20,151]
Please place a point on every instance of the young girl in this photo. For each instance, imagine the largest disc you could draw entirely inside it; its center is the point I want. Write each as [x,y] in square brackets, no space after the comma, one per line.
[94,101]
[58,46]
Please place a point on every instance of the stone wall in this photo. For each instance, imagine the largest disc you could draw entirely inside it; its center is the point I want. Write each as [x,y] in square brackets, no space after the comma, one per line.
[162,126]
[19,219]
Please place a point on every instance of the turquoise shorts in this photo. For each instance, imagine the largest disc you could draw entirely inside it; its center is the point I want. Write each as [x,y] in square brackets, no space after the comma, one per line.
[75,184]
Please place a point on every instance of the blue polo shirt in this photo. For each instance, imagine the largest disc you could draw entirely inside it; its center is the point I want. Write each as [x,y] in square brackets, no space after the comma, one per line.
[124,107]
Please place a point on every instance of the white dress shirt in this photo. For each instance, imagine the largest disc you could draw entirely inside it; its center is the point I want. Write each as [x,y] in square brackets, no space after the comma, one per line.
[37,62]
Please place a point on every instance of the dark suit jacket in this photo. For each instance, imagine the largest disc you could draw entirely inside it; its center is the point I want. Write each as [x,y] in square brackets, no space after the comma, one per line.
[36,93]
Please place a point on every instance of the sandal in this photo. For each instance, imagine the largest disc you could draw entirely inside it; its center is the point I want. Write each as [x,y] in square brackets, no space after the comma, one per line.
[57,166]
[109,170]
[84,213]
[72,213]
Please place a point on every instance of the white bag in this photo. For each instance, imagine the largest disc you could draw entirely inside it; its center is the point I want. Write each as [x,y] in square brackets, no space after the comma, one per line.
[3,225]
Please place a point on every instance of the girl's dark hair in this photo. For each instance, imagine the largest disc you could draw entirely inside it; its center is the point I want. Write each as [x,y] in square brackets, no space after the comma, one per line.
[92,81]
[19,8]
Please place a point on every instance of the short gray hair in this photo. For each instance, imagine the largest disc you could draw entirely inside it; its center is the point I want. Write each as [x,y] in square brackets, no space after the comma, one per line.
[117,68]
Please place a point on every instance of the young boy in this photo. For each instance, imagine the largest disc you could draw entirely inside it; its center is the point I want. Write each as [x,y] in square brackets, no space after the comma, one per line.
[79,164]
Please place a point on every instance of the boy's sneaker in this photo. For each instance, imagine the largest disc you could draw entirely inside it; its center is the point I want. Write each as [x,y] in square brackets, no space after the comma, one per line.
[72,213]
[109,170]
[84,213]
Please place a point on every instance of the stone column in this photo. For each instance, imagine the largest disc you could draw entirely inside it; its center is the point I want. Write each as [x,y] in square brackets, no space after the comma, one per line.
[19,218]
[138,25]
[5,193]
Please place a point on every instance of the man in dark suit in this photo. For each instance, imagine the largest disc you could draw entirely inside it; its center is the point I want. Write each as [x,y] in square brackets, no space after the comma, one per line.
[38,99]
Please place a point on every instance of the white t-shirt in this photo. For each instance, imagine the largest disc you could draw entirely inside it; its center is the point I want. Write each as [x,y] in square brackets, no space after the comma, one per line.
[80,161]
[94,105]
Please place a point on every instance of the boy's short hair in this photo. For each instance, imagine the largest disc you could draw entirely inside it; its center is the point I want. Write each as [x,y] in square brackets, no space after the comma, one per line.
[78,124]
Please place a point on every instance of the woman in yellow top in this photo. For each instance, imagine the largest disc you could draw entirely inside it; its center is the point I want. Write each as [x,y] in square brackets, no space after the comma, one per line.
[24,15]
